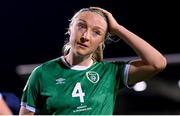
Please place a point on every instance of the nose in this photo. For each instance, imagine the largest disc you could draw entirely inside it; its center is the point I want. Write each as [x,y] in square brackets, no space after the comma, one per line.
[86,36]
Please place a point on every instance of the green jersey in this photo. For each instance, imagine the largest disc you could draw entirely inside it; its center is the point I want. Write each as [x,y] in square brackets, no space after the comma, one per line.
[55,88]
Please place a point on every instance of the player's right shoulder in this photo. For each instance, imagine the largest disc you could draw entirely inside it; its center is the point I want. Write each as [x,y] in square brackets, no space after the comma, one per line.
[46,66]
[49,62]
[50,65]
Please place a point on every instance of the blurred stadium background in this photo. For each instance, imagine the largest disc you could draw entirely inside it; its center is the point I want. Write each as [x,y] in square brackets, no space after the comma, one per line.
[32,32]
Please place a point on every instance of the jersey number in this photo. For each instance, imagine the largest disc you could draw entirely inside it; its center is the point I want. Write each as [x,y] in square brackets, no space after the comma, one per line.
[77,92]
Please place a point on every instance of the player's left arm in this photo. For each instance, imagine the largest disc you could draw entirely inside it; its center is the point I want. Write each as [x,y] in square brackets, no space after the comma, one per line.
[151,60]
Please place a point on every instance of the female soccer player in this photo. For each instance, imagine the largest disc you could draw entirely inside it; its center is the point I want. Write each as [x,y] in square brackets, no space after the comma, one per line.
[80,82]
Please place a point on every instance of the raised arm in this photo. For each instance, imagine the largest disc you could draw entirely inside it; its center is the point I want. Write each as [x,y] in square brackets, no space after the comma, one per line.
[151,60]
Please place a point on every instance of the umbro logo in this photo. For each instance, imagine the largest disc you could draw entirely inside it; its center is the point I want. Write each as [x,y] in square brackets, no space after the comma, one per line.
[60,81]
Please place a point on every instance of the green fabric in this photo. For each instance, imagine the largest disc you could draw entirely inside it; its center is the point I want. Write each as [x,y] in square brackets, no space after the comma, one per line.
[54,88]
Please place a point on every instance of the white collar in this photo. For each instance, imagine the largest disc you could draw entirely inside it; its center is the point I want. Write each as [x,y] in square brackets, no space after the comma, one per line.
[76,67]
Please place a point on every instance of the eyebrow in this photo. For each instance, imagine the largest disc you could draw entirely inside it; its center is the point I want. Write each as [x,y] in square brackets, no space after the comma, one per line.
[99,27]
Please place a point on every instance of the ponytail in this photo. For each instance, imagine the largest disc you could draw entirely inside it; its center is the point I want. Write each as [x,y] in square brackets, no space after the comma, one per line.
[66,48]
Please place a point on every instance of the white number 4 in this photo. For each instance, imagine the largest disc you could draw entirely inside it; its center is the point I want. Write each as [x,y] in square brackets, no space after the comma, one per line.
[77,92]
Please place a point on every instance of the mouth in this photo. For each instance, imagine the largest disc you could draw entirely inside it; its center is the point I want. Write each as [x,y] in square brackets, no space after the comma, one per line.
[81,44]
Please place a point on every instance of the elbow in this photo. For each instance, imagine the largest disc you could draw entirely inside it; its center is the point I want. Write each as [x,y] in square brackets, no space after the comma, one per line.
[161,65]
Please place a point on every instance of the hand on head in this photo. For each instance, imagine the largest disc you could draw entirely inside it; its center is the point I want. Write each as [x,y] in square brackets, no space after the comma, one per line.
[112,23]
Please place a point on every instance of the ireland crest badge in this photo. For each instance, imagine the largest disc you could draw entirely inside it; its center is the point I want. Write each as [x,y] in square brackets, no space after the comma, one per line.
[92,76]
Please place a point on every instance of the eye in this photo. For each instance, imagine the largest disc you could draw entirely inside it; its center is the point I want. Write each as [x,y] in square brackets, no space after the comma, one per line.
[81,25]
[98,32]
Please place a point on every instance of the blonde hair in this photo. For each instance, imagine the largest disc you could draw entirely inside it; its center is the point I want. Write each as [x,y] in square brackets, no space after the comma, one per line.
[98,54]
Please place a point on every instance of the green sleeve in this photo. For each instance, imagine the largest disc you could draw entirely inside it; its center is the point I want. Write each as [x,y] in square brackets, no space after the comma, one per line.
[31,90]
[122,74]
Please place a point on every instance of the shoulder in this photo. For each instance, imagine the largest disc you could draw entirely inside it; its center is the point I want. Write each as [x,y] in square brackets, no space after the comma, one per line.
[111,63]
[51,63]
[43,70]
[48,64]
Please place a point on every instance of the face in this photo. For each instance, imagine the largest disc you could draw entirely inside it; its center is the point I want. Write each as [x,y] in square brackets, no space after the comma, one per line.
[87,32]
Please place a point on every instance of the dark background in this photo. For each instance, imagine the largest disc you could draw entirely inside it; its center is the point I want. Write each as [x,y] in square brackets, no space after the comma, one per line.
[33,32]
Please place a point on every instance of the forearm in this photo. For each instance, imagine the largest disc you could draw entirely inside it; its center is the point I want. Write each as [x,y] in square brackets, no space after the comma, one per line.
[4,110]
[147,53]
[24,111]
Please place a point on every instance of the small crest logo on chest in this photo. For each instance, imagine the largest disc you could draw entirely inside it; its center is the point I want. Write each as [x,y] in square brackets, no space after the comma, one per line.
[92,76]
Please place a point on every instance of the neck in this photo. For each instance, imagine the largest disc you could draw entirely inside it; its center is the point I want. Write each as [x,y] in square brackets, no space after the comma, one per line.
[78,60]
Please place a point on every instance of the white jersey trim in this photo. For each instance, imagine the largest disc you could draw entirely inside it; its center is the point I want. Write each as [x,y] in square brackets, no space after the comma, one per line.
[76,67]
[32,109]
[126,71]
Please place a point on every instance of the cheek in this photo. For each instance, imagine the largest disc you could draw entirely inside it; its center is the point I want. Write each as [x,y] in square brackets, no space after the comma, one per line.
[99,40]
[73,35]
[71,38]
[97,43]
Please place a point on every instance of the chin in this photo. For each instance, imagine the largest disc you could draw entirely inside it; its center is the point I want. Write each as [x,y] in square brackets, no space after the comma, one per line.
[82,53]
